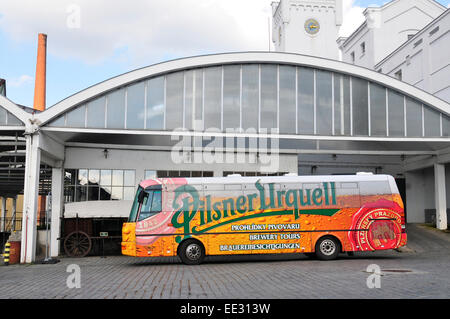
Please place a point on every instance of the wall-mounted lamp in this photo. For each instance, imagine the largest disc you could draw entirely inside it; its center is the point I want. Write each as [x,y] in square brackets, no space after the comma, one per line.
[105,152]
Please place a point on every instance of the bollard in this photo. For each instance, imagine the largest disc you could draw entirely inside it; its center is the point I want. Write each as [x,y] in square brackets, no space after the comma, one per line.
[6,254]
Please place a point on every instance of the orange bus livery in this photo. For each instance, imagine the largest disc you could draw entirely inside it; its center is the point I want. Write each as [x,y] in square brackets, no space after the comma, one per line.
[315,215]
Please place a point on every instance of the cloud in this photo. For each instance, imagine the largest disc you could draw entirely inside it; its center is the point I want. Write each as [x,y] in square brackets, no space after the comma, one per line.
[353,18]
[146,30]
[20,81]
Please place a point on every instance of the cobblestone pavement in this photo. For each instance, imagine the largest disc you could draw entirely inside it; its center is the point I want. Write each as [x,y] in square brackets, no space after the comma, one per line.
[276,276]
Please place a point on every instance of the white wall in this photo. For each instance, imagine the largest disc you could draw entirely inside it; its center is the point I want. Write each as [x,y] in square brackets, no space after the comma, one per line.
[141,160]
[387,28]
[425,59]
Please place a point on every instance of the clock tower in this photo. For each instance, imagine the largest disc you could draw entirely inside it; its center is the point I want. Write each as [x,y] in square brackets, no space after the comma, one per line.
[309,27]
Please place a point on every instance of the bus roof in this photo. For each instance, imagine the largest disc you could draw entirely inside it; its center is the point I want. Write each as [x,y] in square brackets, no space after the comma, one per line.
[267,179]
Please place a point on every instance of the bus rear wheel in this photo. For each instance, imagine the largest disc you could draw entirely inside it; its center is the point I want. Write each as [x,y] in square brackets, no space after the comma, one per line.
[328,248]
[191,252]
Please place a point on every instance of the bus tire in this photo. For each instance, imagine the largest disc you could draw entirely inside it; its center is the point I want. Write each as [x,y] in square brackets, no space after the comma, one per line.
[191,252]
[328,248]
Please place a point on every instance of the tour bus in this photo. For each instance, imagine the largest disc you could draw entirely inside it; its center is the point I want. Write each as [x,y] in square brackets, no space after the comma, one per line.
[320,216]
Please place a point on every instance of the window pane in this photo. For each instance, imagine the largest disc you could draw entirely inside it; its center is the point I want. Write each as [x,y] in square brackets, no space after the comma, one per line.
[360,107]
[3,114]
[94,176]
[59,122]
[117,178]
[129,179]
[432,122]
[155,104]
[305,101]
[136,106]
[69,194]
[231,97]
[70,177]
[105,177]
[80,193]
[76,117]
[250,96]
[396,114]
[174,100]
[105,193]
[198,100]
[213,96]
[341,105]
[413,118]
[82,177]
[287,100]
[117,193]
[14,121]
[128,193]
[377,110]
[324,101]
[116,109]
[162,174]
[150,174]
[189,99]
[269,97]
[185,174]
[445,125]
[96,113]
[93,193]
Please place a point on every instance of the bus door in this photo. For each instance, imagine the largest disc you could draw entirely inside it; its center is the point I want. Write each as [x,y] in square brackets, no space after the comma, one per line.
[151,237]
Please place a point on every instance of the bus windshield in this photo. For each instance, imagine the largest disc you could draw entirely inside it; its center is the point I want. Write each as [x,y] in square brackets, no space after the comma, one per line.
[135,207]
[146,204]
[150,204]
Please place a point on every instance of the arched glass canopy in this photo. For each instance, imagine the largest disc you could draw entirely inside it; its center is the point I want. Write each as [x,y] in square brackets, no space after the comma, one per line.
[8,119]
[259,97]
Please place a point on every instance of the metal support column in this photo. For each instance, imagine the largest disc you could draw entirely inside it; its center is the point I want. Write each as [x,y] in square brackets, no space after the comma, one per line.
[30,199]
[440,196]
[56,209]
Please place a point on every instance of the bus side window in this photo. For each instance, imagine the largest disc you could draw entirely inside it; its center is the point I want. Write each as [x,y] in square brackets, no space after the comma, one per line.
[348,195]
[373,191]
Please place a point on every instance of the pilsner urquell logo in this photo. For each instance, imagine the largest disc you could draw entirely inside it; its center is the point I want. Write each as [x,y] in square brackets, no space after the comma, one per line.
[209,211]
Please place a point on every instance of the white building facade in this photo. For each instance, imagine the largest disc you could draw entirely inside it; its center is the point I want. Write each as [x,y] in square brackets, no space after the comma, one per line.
[424,60]
[386,28]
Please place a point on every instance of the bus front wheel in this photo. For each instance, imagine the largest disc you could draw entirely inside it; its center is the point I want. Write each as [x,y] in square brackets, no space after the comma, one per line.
[191,252]
[328,248]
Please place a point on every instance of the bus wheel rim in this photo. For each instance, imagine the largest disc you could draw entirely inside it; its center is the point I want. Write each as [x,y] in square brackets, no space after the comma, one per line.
[327,247]
[193,252]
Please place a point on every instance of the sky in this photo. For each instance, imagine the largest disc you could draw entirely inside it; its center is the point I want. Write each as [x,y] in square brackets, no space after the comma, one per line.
[90,41]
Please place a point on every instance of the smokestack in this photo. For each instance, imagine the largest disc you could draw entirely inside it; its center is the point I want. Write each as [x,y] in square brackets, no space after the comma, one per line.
[41,70]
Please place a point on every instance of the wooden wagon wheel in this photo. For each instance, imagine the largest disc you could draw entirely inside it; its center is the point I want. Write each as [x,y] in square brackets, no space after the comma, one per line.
[77,244]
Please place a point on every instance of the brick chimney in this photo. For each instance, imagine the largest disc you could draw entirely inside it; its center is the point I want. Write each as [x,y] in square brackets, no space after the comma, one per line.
[41,70]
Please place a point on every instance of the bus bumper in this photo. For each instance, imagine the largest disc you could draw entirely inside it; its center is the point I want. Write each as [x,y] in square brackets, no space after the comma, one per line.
[128,244]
